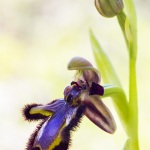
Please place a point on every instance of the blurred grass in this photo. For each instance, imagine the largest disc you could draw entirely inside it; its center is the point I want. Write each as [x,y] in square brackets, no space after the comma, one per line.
[37,39]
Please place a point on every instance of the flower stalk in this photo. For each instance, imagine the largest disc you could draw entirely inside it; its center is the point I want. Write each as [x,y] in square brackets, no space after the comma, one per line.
[133,107]
[129,29]
[128,113]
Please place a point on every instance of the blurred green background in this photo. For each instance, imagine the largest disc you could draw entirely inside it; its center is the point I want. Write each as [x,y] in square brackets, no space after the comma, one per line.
[37,39]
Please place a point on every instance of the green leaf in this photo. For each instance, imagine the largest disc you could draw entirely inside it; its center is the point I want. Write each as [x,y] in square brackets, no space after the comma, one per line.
[109,76]
[127,144]
[103,63]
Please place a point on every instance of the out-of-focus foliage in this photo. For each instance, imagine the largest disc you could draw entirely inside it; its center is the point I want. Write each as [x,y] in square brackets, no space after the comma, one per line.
[37,39]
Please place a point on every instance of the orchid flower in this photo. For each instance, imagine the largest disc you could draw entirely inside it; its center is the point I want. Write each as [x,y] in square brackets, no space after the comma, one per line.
[61,116]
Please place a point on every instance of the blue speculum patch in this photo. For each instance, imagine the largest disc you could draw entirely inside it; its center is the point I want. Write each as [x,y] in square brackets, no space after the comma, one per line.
[62,116]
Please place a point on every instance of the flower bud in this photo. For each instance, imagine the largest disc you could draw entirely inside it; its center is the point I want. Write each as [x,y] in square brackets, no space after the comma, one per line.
[109,8]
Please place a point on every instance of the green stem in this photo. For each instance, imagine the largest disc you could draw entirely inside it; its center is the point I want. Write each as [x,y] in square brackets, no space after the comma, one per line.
[133,107]
[128,25]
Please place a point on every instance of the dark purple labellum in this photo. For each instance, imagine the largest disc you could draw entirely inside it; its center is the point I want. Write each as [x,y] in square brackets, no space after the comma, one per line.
[62,116]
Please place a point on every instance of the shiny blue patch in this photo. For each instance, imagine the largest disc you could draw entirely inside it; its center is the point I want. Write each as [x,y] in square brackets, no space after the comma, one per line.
[50,129]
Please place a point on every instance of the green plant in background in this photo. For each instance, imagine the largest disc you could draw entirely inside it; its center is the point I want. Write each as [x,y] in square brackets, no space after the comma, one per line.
[126,105]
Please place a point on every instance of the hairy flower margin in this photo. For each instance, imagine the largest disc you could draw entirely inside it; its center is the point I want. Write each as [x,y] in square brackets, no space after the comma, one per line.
[62,116]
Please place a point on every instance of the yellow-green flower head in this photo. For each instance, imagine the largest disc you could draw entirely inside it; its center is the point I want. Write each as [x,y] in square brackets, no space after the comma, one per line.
[109,8]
